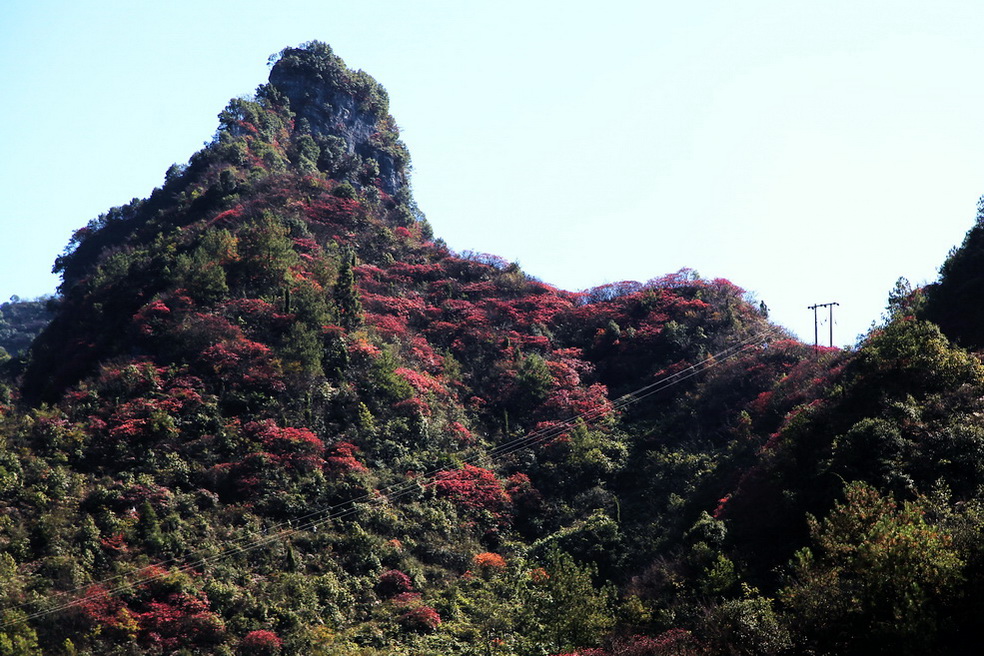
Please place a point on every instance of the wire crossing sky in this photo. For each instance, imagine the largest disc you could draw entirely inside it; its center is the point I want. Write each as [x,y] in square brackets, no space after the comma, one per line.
[808,152]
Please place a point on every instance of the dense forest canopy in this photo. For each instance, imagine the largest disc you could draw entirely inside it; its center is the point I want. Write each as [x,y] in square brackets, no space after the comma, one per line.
[272,414]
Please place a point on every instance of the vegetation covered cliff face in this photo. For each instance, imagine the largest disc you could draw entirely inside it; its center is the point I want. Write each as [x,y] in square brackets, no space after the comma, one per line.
[339,104]
[273,415]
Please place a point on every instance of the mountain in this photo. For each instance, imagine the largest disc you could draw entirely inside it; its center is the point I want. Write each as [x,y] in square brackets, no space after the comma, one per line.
[21,321]
[272,414]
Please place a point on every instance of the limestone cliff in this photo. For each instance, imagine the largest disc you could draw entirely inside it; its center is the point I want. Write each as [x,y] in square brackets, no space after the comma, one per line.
[343,109]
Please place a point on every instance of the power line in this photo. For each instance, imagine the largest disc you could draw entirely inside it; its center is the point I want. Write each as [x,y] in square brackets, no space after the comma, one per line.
[816,340]
[341,510]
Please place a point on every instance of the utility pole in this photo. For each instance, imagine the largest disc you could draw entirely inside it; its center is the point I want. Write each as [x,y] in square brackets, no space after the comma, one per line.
[816,324]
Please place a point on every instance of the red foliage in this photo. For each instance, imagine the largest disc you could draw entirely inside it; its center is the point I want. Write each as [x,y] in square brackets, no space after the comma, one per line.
[406,307]
[590,402]
[424,353]
[387,325]
[463,434]
[136,378]
[158,616]
[134,494]
[472,488]
[289,450]
[180,620]
[228,217]
[305,245]
[260,643]
[360,347]
[286,441]
[489,561]
[720,508]
[342,459]
[413,406]
[393,582]
[328,210]
[524,496]
[421,382]
[136,420]
[101,608]
[151,318]
[251,311]
[420,618]
[675,642]
[243,363]
[611,291]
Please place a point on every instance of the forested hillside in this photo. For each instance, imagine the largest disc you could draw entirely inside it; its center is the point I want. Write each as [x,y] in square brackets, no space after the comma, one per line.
[273,414]
[21,321]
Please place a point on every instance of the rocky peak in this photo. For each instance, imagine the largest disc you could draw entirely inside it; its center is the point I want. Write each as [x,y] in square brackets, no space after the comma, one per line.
[344,109]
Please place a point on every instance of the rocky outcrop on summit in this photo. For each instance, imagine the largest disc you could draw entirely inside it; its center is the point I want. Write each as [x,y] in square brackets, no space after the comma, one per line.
[344,110]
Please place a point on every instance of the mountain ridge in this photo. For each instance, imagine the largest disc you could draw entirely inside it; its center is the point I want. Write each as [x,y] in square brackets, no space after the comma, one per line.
[453,456]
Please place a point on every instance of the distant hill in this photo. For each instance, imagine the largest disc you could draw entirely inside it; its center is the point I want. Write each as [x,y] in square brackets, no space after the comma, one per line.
[21,321]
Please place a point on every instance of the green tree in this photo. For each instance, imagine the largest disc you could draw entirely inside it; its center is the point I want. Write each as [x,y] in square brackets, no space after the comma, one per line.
[149,528]
[878,580]
[348,307]
[266,255]
[567,610]
[953,302]
[17,638]
[747,626]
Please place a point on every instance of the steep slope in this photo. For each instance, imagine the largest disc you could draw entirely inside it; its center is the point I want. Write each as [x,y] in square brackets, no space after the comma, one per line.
[274,415]
[272,333]
[954,301]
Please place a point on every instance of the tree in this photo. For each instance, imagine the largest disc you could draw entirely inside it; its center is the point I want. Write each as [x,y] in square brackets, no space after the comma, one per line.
[953,302]
[348,307]
[266,254]
[566,609]
[879,580]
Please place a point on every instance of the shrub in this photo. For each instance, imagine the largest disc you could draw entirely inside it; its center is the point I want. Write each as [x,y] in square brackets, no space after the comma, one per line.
[260,643]
[393,582]
[420,618]
[489,561]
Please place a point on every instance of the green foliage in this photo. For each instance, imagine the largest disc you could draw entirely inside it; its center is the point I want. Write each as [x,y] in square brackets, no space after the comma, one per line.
[21,321]
[748,626]
[345,190]
[266,255]
[913,357]
[594,455]
[268,370]
[953,301]
[570,610]
[533,378]
[202,272]
[879,581]
[17,638]
[322,66]
[304,152]
[302,350]
[348,307]
[148,529]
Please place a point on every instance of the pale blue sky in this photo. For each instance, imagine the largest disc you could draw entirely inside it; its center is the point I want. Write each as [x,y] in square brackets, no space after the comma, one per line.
[809,152]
